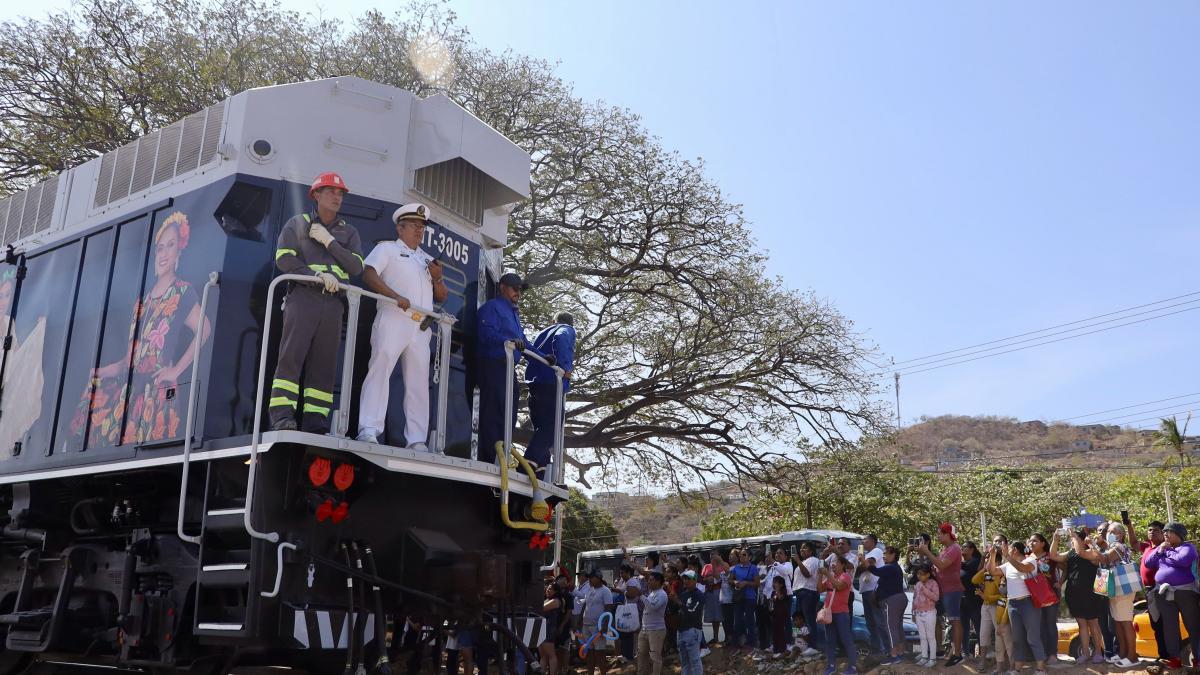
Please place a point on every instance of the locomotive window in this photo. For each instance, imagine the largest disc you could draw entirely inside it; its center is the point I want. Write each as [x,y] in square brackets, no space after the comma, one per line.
[102,426]
[84,341]
[31,375]
[243,210]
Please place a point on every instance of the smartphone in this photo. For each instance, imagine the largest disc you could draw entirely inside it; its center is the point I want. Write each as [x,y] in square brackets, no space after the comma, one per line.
[793,550]
[1124,515]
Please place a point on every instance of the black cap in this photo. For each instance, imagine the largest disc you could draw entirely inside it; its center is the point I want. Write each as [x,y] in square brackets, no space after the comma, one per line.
[595,573]
[512,280]
[1178,529]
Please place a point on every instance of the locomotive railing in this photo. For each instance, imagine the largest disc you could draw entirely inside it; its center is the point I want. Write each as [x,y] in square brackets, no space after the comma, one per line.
[354,295]
[214,280]
[556,452]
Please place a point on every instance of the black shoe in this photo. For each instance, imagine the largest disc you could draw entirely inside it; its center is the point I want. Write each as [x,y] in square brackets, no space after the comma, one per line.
[953,661]
[285,424]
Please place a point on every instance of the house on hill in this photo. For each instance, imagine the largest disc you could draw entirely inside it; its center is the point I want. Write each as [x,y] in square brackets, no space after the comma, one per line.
[1036,426]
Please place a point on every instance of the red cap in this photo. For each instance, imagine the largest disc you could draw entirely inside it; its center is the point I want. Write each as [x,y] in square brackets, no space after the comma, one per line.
[947,528]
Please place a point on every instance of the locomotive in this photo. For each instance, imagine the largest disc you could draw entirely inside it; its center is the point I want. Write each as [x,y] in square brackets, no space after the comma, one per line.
[149,521]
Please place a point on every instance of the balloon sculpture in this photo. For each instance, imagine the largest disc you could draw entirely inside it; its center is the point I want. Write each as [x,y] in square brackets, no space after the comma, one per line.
[604,629]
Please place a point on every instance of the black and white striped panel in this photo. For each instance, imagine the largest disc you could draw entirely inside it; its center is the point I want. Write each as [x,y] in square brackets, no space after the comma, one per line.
[327,628]
[529,626]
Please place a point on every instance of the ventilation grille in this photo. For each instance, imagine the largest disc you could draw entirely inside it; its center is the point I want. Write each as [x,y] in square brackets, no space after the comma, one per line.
[454,184]
[160,156]
[29,212]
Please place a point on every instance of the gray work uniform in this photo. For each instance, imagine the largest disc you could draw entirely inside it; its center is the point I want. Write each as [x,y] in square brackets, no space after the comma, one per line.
[312,320]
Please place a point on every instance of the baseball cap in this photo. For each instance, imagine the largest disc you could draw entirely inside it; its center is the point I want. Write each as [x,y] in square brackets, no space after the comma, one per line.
[689,574]
[513,280]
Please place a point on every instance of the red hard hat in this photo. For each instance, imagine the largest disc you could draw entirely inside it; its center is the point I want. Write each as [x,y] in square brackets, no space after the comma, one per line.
[327,179]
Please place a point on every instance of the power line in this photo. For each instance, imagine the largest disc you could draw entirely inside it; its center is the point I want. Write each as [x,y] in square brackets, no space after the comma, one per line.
[1126,407]
[1040,344]
[1061,325]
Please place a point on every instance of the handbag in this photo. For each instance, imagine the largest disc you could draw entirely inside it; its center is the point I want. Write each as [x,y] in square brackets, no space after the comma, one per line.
[1121,578]
[1039,590]
[825,614]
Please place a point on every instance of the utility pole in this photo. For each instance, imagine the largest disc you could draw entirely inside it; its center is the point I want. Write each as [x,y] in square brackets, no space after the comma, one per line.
[897,376]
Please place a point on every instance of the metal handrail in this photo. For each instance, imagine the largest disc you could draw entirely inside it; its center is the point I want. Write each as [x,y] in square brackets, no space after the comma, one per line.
[445,321]
[558,450]
[511,366]
[214,280]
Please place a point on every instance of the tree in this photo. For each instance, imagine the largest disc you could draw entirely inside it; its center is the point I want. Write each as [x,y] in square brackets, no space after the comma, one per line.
[691,364]
[585,528]
[1171,440]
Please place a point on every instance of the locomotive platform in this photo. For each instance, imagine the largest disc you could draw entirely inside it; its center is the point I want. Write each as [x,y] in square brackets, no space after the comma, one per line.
[400,460]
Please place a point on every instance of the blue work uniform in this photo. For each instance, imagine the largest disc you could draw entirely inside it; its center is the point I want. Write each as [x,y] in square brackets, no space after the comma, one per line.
[496,322]
[557,340]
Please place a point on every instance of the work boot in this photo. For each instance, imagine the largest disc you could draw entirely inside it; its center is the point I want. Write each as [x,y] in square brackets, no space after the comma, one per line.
[285,424]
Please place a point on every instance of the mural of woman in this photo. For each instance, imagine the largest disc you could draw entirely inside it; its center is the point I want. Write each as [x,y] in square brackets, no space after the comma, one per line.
[170,321]
[23,378]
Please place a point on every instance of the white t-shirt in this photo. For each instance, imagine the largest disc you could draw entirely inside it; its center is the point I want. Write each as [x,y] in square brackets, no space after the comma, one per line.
[868,582]
[851,557]
[594,600]
[1015,579]
[779,569]
[800,582]
[405,271]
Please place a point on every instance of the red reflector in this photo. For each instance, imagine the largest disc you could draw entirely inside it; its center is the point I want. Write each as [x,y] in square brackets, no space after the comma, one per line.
[340,513]
[344,476]
[318,471]
[325,510]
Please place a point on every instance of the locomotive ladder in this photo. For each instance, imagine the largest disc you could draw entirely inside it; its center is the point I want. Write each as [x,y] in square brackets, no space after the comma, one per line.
[227,588]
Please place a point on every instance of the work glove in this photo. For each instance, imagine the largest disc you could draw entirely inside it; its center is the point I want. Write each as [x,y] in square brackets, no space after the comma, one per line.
[330,281]
[319,234]
[519,345]
[550,360]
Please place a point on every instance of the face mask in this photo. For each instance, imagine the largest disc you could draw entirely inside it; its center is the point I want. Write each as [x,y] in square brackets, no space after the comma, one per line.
[1112,538]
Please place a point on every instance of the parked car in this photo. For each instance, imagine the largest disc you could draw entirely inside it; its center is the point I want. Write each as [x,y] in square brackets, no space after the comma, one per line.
[1068,635]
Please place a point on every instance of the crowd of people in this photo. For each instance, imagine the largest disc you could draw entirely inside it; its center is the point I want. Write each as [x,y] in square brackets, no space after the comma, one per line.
[998,602]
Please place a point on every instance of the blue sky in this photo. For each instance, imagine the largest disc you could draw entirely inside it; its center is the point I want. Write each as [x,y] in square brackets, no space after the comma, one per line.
[944,173]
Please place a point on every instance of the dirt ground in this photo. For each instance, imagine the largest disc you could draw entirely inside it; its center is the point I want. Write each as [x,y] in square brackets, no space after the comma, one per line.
[723,662]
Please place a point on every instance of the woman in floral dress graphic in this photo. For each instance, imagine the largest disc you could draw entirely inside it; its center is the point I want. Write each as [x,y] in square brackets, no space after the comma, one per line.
[169,319]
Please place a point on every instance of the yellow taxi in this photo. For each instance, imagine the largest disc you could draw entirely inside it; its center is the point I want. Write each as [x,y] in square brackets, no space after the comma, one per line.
[1068,634]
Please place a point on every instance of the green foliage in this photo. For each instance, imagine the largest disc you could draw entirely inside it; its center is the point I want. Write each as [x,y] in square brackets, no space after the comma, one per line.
[857,489]
[692,363]
[1170,439]
[585,528]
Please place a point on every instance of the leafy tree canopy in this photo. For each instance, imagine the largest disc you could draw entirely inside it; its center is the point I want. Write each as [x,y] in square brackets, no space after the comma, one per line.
[692,365]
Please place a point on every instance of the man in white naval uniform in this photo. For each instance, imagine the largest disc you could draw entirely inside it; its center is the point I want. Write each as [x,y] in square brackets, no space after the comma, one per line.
[401,270]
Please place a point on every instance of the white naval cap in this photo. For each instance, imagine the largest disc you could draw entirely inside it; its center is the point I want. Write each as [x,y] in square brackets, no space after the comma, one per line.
[414,210]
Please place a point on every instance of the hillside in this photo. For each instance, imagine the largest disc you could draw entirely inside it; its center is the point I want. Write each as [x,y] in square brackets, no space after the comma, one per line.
[934,443]
[951,441]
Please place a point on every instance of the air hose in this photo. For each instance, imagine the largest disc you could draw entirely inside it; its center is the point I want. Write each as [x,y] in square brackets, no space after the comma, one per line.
[360,626]
[539,502]
[349,670]
[381,664]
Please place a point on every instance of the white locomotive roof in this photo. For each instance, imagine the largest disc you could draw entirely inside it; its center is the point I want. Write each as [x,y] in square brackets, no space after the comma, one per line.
[385,142]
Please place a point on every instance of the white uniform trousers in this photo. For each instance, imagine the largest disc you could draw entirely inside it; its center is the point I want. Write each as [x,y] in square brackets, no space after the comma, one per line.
[394,337]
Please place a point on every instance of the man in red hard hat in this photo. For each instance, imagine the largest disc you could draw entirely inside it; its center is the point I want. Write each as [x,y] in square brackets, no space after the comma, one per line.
[319,244]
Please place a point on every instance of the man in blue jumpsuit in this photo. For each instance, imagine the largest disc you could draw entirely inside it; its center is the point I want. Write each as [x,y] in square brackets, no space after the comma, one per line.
[558,341]
[496,322]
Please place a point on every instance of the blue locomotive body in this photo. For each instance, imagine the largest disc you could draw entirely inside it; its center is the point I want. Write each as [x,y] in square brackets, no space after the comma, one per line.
[111,552]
